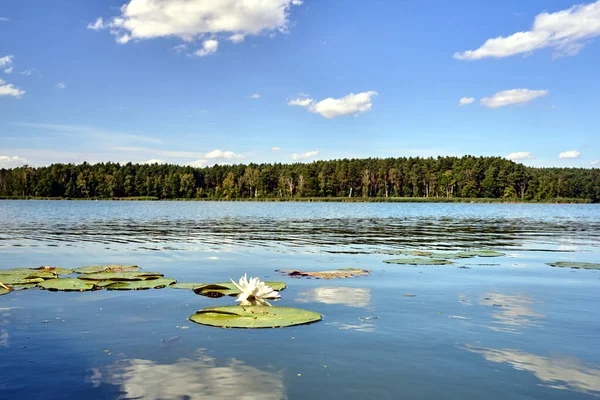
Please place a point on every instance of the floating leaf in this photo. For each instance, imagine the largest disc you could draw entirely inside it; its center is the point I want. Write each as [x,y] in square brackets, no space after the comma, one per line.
[3,291]
[418,261]
[480,253]
[575,265]
[67,285]
[92,269]
[141,285]
[228,289]
[121,276]
[56,270]
[187,285]
[416,253]
[25,286]
[19,279]
[253,317]
[42,274]
[15,271]
[338,273]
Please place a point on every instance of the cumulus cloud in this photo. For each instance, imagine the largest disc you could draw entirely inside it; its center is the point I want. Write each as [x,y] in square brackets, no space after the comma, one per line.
[513,96]
[566,31]
[8,89]
[466,100]
[275,148]
[191,19]
[352,104]
[8,70]
[61,85]
[6,61]
[255,96]
[520,155]
[197,163]
[569,154]
[209,46]
[225,155]
[304,156]
[153,161]
[10,162]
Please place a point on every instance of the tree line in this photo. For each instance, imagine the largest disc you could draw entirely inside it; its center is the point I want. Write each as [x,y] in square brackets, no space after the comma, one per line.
[449,177]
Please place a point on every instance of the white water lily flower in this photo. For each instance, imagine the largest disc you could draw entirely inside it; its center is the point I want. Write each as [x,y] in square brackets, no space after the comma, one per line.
[254,292]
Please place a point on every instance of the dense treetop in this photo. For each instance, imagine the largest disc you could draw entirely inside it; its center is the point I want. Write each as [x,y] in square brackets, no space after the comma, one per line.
[466,177]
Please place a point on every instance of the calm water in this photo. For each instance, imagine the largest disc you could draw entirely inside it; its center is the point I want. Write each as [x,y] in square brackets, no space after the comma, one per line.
[507,327]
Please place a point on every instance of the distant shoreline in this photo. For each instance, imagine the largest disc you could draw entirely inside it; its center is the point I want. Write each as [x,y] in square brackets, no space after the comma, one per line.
[328,200]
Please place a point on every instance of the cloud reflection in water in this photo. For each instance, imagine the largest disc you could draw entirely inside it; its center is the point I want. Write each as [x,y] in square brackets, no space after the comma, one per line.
[351,297]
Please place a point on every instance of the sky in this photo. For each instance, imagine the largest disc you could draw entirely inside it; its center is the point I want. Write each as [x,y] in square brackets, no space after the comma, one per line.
[199,82]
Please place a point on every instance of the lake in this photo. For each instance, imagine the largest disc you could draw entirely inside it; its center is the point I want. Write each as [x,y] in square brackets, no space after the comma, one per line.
[496,328]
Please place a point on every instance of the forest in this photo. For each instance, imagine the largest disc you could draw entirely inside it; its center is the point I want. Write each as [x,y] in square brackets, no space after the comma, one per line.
[441,177]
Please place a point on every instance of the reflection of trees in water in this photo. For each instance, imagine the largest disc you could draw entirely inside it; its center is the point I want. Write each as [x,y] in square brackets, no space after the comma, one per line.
[351,232]
[561,373]
[352,297]
[510,313]
[190,378]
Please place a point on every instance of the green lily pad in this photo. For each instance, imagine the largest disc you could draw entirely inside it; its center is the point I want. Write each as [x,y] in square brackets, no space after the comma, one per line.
[447,256]
[253,317]
[56,270]
[3,291]
[15,271]
[19,279]
[121,276]
[418,261]
[228,289]
[92,269]
[25,286]
[416,253]
[67,285]
[42,275]
[142,285]
[480,253]
[187,285]
[338,273]
[575,265]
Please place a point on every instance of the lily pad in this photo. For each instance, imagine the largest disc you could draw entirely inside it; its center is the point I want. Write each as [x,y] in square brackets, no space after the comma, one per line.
[575,265]
[3,291]
[418,261]
[19,279]
[480,253]
[42,274]
[142,285]
[228,289]
[187,285]
[56,270]
[67,285]
[338,273]
[92,269]
[25,286]
[416,253]
[253,317]
[121,276]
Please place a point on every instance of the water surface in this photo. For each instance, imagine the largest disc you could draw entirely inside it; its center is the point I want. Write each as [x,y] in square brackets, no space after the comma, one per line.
[507,327]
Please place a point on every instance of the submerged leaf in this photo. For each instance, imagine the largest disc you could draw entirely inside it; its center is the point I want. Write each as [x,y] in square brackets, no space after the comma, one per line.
[67,285]
[121,276]
[575,265]
[338,273]
[418,261]
[92,269]
[253,317]
[480,253]
[141,285]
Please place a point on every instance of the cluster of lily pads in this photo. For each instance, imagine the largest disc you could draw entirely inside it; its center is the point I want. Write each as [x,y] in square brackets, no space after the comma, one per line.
[417,257]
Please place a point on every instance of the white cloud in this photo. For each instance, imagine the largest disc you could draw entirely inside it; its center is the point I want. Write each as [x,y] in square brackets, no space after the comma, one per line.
[595,163]
[96,26]
[197,163]
[27,72]
[466,100]
[191,19]
[225,155]
[237,38]
[352,104]
[4,19]
[569,154]
[8,70]
[208,47]
[513,96]
[10,162]
[303,156]
[180,48]
[153,161]
[61,85]
[255,96]
[6,60]
[8,89]
[520,155]
[275,148]
[566,31]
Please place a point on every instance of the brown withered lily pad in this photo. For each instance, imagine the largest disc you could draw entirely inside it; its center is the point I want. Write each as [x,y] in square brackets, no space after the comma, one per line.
[338,273]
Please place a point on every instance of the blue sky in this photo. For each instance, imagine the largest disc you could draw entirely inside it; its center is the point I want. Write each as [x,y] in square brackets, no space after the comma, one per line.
[173,80]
